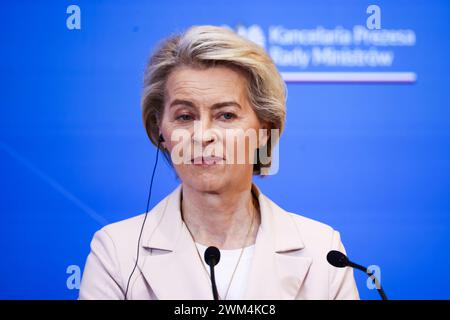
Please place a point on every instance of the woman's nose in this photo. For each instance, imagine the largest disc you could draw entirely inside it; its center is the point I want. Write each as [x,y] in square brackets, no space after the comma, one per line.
[204,133]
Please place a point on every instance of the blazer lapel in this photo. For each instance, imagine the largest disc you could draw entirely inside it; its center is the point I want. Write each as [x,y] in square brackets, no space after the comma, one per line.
[172,266]
[173,269]
[278,269]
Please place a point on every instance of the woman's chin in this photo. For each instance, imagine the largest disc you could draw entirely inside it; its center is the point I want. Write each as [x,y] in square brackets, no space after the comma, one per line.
[207,182]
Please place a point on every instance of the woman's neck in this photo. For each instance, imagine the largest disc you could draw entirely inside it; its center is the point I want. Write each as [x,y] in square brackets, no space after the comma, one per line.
[221,219]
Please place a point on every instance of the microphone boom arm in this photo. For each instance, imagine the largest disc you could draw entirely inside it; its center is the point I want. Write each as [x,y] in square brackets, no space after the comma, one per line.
[371,276]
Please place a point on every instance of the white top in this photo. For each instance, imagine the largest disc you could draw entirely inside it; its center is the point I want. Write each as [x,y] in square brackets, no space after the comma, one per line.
[224,271]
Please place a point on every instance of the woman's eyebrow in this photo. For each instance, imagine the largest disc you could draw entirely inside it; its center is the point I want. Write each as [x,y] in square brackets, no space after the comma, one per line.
[182,102]
[214,106]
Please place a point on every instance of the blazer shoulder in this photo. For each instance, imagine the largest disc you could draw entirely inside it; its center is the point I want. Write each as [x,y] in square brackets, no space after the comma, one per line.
[314,234]
[310,224]
[304,223]
[126,231]
[123,234]
[125,225]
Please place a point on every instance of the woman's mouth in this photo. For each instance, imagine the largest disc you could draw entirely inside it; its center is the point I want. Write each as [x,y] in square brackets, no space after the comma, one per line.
[207,161]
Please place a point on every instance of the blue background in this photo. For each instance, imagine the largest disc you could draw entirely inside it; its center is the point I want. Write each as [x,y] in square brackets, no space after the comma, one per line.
[372,160]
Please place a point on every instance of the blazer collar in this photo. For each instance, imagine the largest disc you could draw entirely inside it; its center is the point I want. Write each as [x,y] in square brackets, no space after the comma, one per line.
[173,269]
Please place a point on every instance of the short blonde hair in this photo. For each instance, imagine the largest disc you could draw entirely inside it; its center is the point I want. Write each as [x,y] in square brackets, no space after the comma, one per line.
[208,46]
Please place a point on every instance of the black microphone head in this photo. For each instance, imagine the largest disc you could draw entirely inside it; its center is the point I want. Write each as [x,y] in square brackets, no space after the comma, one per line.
[337,259]
[212,256]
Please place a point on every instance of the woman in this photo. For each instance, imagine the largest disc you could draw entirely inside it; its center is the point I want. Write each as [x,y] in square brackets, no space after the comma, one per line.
[212,102]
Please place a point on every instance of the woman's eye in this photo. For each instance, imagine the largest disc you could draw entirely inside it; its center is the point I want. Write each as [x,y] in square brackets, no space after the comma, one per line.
[228,115]
[184,117]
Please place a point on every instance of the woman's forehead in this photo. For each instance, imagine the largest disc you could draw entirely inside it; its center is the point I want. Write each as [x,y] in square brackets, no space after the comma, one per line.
[205,84]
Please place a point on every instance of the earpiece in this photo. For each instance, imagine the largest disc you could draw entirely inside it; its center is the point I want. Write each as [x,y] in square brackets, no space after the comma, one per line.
[161,138]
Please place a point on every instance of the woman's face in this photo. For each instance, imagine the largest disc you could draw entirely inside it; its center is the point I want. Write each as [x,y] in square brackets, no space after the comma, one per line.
[210,128]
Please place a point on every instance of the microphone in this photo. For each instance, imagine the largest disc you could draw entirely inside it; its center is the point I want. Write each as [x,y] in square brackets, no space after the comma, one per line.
[212,257]
[339,260]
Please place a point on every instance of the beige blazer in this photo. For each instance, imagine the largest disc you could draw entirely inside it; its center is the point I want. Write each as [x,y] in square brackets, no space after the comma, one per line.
[289,260]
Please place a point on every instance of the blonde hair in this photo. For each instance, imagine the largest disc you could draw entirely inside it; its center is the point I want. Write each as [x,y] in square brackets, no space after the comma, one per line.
[208,46]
